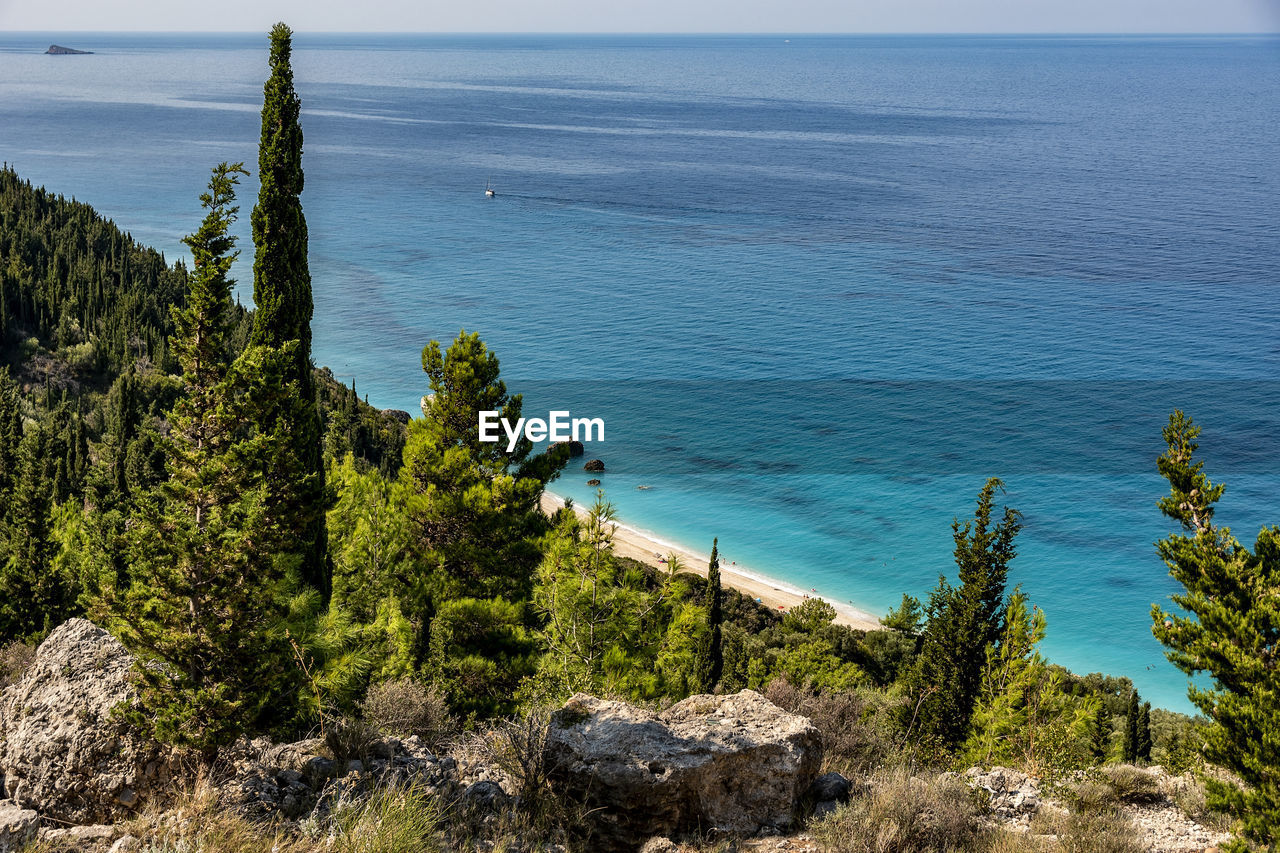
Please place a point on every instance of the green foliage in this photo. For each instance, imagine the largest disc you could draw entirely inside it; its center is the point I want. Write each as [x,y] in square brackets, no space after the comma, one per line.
[473,508]
[711,655]
[609,626]
[201,599]
[1100,734]
[1129,746]
[369,540]
[1142,741]
[906,617]
[1229,628]
[282,296]
[328,646]
[476,526]
[585,603]
[1022,715]
[961,623]
[480,652]
[375,438]
[68,275]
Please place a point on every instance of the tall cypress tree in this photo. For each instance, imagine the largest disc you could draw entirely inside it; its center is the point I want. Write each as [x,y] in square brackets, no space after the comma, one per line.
[711,656]
[1142,746]
[1228,626]
[282,294]
[10,435]
[1100,742]
[1130,749]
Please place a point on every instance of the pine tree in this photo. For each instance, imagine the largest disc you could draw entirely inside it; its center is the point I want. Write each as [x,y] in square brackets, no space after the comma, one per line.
[1142,740]
[473,506]
[475,519]
[1020,695]
[1100,743]
[282,294]
[205,591]
[1129,750]
[961,623]
[711,656]
[1229,628]
[10,435]
[33,597]
[906,617]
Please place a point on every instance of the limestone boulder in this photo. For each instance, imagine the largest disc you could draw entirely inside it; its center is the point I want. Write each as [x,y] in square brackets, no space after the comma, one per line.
[18,826]
[726,764]
[64,749]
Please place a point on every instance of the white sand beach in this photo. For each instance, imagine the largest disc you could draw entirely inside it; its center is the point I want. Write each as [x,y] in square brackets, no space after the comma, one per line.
[629,542]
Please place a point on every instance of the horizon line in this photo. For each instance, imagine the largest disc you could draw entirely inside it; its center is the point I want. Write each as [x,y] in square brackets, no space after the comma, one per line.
[780,33]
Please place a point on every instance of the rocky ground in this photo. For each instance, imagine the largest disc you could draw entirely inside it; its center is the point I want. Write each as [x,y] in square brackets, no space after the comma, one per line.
[76,777]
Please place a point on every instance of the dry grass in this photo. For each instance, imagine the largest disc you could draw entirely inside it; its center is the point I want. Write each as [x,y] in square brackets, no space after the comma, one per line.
[1109,787]
[1105,831]
[15,659]
[904,814]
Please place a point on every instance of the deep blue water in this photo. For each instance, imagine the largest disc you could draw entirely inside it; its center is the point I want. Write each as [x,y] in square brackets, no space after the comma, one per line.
[818,288]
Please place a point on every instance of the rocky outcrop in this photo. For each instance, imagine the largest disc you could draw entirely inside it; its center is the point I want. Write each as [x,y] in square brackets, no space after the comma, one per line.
[268,780]
[1015,796]
[59,50]
[595,465]
[729,764]
[576,448]
[64,751]
[400,416]
[17,826]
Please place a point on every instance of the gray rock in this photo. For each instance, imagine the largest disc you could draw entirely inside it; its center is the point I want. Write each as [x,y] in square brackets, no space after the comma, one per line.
[126,844]
[1013,794]
[830,786]
[18,826]
[595,465]
[660,844]
[824,808]
[485,794]
[730,764]
[63,750]
[78,835]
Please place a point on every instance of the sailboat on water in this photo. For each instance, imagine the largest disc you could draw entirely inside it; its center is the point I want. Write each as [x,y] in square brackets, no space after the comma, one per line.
[488,189]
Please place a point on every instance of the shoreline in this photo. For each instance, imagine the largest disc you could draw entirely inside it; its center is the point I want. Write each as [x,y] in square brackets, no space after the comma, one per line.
[644,546]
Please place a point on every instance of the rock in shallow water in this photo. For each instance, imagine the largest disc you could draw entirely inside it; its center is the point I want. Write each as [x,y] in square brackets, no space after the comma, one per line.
[732,764]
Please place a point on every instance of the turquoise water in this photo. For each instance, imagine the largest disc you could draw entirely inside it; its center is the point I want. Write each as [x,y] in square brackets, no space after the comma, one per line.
[819,289]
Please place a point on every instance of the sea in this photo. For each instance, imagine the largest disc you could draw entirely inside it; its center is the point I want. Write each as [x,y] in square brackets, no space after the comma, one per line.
[818,288]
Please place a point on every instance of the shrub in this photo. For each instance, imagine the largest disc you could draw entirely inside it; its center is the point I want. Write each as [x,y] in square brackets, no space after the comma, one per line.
[1104,831]
[904,814]
[856,725]
[407,707]
[349,739]
[15,659]
[1111,786]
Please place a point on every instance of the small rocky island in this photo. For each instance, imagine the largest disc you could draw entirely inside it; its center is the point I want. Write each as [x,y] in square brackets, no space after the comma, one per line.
[59,50]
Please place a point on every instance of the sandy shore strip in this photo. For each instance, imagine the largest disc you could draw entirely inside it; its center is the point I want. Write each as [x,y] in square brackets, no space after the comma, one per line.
[629,542]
